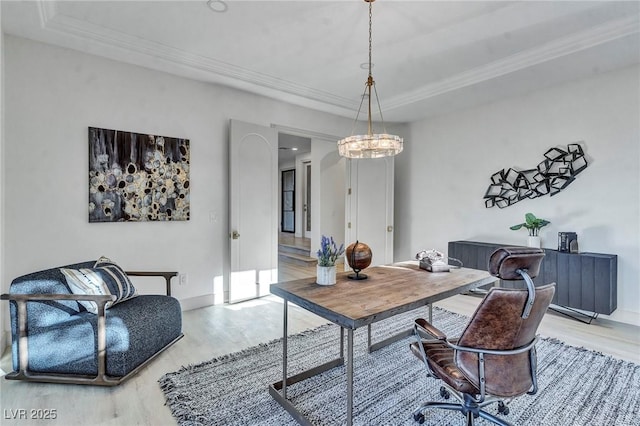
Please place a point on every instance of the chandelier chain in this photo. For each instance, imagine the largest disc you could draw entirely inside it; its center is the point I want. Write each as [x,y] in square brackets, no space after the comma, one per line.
[370,37]
[370,81]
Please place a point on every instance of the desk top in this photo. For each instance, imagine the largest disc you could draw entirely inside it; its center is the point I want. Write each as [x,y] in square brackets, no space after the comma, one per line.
[389,290]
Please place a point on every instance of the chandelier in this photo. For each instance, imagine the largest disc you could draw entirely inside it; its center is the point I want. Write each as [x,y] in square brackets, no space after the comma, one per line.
[371,145]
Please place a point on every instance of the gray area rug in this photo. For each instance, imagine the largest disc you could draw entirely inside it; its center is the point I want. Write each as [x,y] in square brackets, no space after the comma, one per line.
[577,386]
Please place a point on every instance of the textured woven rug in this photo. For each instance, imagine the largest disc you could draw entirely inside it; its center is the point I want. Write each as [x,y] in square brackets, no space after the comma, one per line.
[577,386]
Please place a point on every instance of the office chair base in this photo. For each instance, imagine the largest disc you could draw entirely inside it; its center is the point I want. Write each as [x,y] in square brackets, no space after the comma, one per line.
[469,408]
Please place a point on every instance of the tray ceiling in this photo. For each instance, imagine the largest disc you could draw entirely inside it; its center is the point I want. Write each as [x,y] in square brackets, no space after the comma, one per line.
[429,57]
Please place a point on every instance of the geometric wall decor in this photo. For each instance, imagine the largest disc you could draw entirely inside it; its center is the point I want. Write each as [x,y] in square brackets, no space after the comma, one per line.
[553,174]
[137,177]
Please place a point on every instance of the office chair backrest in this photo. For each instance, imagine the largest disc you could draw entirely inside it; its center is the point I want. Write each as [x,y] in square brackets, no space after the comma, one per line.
[505,262]
[499,324]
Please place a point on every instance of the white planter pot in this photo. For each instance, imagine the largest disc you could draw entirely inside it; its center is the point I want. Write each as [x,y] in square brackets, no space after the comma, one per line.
[326,275]
[533,242]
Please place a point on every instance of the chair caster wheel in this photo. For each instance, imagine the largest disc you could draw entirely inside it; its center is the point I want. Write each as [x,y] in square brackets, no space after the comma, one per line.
[444,392]
[502,408]
[419,417]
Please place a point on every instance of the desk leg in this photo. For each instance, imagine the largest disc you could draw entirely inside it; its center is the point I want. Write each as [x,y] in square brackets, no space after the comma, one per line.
[278,390]
[284,350]
[349,377]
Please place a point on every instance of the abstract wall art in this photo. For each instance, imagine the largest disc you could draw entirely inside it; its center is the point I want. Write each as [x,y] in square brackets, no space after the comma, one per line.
[137,177]
[553,174]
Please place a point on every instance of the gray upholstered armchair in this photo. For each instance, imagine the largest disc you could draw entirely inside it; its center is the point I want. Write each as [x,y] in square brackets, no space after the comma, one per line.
[57,338]
[495,356]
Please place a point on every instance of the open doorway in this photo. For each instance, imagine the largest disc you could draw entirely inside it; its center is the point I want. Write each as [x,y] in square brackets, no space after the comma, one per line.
[294,243]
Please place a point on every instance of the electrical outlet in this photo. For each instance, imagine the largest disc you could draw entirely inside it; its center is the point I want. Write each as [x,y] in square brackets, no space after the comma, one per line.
[183,279]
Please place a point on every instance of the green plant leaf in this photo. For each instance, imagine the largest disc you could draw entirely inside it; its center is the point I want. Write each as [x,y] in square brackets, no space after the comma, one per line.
[530,218]
[516,227]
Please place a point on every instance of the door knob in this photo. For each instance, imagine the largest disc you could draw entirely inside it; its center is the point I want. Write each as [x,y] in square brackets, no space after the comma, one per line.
[235,235]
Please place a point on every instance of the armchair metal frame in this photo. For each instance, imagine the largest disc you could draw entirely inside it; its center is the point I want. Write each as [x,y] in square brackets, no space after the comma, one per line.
[101,378]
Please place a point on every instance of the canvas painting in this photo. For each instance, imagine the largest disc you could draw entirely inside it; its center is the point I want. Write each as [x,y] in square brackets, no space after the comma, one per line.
[136,177]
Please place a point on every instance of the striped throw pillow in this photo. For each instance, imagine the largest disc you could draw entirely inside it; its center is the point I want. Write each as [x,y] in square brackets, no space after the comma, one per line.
[105,278]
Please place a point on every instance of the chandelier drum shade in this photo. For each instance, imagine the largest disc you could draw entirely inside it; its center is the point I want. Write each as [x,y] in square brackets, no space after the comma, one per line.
[370,145]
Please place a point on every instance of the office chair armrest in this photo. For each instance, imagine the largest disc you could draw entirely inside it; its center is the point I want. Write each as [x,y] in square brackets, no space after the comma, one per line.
[515,351]
[422,325]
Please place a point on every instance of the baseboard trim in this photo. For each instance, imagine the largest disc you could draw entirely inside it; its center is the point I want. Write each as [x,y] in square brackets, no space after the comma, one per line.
[203,301]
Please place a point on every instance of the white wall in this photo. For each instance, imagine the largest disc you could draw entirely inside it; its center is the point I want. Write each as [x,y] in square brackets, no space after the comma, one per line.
[444,173]
[3,305]
[53,95]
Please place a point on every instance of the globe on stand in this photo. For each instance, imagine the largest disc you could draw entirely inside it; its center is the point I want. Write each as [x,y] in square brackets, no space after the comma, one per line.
[358,257]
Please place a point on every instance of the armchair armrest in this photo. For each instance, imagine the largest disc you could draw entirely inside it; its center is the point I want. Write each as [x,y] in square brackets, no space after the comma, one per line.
[167,276]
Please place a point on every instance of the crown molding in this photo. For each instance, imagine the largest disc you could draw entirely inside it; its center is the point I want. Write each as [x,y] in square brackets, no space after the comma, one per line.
[573,43]
[225,73]
[51,20]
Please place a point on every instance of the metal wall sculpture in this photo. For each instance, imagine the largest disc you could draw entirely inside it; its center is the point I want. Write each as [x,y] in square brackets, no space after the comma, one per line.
[137,177]
[558,169]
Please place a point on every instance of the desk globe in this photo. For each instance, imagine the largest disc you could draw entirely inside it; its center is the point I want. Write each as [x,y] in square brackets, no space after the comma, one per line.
[358,257]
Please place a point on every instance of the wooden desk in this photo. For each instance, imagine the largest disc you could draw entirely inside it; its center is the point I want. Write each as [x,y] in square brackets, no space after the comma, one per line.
[389,290]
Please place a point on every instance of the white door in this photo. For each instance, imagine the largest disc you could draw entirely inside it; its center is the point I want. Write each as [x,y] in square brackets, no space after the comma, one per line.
[369,207]
[253,210]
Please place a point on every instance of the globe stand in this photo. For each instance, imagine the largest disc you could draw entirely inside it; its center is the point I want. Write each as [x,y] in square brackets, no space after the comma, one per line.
[358,257]
[357,276]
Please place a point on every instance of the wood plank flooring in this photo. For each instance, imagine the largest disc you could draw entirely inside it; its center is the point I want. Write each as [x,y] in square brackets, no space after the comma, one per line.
[216,330]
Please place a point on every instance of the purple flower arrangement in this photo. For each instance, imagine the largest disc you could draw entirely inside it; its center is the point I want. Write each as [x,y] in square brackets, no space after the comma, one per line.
[329,252]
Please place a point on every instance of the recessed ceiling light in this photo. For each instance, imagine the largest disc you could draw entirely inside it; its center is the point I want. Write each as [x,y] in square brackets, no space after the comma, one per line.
[217,5]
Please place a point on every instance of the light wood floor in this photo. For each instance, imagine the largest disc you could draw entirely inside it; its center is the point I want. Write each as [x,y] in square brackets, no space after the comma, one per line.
[217,330]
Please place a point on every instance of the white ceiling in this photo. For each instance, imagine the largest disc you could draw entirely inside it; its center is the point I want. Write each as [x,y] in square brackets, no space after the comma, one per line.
[430,57]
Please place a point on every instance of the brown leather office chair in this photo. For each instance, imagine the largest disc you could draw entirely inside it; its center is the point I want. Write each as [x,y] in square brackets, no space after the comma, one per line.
[495,356]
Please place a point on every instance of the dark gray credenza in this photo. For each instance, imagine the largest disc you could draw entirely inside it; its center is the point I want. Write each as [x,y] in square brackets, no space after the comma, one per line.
[585,281]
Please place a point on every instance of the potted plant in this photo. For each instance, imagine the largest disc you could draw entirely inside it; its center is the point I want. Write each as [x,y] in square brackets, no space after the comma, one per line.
[327,255]
[533,224]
